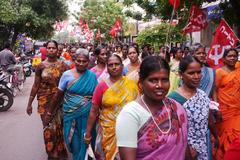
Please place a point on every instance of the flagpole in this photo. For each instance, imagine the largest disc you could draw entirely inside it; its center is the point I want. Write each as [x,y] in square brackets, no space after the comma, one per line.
[169,27]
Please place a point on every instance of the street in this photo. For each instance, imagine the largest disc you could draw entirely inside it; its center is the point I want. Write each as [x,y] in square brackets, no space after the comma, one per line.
[20,135]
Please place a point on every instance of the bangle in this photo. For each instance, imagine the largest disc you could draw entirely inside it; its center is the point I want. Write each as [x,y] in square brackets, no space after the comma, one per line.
[49,114]
[87,139]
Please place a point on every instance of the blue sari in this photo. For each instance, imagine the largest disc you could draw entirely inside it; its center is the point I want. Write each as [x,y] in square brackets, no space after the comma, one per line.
[207,81]
[206,84]
[76,108]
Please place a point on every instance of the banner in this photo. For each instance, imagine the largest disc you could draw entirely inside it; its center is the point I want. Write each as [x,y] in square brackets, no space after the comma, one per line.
[224,38]
[214,12]
[197,20]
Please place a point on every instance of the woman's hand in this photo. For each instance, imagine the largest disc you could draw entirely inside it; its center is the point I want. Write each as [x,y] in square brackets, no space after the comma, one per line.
[193,152]
[87,138]
[47,119]
[29,110]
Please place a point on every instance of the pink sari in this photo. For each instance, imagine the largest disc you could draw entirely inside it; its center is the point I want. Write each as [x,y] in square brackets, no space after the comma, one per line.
[153,144]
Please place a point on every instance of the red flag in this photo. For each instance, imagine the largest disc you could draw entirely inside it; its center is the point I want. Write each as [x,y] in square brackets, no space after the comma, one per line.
[197,20]
[175,3]
[116,28]
[81,22]
[98,35]
[118,25]
[224,39]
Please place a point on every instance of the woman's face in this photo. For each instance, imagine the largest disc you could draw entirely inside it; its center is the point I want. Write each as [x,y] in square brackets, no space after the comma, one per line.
[179,54]
[192,76]
[132,55]
[231,59]
[52,50]
[114,66]
[156,85]
[102,57]
[81,63]
[201,55]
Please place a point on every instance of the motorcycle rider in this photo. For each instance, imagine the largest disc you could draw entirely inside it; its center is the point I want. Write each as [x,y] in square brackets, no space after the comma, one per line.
[8,60]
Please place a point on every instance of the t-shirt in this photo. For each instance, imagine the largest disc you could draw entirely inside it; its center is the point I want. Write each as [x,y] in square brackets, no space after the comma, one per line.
[66,78]
[135,116]
[7,58]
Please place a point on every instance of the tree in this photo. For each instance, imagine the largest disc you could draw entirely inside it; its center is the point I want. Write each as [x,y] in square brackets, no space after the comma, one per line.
[156,35]
[35,18]
[101,14]
[162,9]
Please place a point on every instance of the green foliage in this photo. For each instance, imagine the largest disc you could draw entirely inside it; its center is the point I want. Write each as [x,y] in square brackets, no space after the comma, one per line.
[157,35]
[101,14]
[33,17]
[163,9]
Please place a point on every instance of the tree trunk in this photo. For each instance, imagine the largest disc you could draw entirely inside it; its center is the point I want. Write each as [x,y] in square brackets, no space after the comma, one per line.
[14,37]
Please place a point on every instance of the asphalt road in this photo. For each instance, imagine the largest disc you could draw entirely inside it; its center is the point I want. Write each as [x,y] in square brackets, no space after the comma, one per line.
[21,136]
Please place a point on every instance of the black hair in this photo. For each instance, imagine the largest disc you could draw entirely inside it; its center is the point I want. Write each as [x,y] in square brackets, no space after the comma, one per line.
[115,55]
[151,64]
[97,51]
[229,50]
[134,48]
[7,45]
[52,41]
[184,63]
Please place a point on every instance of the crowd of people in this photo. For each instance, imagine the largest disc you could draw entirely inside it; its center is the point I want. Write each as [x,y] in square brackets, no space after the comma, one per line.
[129,104]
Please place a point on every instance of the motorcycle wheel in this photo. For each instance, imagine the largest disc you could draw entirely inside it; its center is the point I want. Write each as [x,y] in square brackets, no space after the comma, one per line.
[28,73]
[6,99]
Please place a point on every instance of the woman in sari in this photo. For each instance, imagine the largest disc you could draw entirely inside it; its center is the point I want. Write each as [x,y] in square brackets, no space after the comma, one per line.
[108,100]
[153,126]
[174,64]
[227,95]
[76,87]
[45,85]
[132,68]
[207,84]
[100,69]
[196,104]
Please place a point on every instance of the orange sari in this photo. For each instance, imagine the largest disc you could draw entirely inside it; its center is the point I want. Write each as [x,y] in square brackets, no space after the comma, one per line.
[228,92]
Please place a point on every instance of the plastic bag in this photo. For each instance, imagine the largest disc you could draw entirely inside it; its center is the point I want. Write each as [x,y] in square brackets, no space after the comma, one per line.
[89,153]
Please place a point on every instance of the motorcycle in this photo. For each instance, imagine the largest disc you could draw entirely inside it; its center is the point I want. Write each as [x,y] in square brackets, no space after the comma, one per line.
[27,67]
[6,94]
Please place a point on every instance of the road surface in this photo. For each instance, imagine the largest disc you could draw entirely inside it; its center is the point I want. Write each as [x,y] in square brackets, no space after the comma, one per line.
[21,136]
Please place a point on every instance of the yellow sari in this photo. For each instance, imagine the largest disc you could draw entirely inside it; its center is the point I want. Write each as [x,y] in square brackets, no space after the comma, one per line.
[114,99]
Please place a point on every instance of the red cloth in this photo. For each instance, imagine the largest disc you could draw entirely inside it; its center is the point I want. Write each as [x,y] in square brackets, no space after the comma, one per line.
[175,3]
[197,20]
[98,93]
[224,39]
[233,153]
[43,52]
